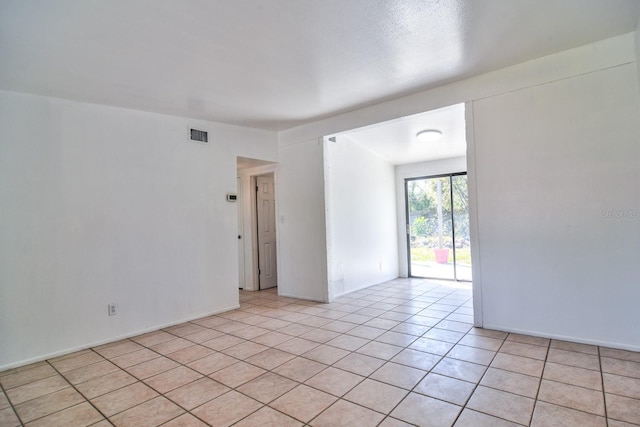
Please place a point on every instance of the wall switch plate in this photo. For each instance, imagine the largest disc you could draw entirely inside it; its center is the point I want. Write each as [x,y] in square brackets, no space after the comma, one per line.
[111,309]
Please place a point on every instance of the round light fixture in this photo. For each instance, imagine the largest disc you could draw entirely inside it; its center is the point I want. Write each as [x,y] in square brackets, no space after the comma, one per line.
[429,135]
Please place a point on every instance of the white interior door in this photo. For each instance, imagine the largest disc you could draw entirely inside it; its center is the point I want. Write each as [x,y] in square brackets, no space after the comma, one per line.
[240,236]
[266,211]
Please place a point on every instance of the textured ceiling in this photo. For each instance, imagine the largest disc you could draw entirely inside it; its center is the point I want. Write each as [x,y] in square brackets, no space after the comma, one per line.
[275,64]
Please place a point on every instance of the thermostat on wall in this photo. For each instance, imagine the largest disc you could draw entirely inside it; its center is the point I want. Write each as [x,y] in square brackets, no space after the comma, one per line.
[232,197]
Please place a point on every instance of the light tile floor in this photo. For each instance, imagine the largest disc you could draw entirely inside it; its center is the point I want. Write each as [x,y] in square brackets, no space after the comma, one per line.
[394,354]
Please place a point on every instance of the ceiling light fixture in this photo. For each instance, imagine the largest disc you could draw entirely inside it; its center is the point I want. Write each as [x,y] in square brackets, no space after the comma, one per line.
[429,135]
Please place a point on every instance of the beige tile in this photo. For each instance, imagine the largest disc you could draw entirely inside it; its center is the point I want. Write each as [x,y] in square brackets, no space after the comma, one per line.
[299,369]
[8,418]
[625,368]
[615,423]
[297,346]
[411,329]
[479,341]
[573,397]
[518,364]
[423,410]
[393,422]
[244,350]
[237,374]
[572,346]
[380,350]
[320,335]
[471,354]
[335,381]
[272,339]
[134,358]
[572,375]
[381,323]
[444,335]
[148,414]
[359,364]
[501,404]
[103,423]
[172,379]
[445,388]
[18,377]
[633,356]
[512,382]
[460,369]
[48,404]
[339,326]
[366,332]
[211,321]
[416,359]
[346,414]
[229,327]
[399,375]
[226,409]
[196,393]
[326,354]
[549,415]
[456,323]
[105,384]
[78,361]
[202,336]
[89,372]
[111,350]
[36,389]
[623,386]
[527,339]
[190,354]
[124,398]
[184,420]
[524,350]
[431,346]
[152,367]
[212,363]
[267,387]
[4,402]
[499,335]
[376,395]
[348,342]
[295,329]
[623,408]
[303,403]
[153,338]
[82,414]
[250,333]
[270,358]
[185,329]
[573,358]
[471,418]
[172,346]
[267,417]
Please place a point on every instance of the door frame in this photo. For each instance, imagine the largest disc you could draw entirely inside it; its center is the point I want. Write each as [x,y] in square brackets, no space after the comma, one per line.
[250,238]
[453,224]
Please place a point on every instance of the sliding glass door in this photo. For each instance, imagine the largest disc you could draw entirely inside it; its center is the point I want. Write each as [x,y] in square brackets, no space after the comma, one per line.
[438,227]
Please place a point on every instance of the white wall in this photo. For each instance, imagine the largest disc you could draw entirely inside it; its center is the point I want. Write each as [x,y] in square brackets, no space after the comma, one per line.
[103,205]
[413,170]
[606,302]
[302,247]
[558,195]
[362,241]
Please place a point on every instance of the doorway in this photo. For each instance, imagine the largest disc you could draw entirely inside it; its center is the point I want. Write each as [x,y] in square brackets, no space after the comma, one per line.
[438,238]
[266,231]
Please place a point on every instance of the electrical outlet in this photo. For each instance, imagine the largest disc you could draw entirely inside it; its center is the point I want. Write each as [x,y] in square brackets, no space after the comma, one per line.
[111,309]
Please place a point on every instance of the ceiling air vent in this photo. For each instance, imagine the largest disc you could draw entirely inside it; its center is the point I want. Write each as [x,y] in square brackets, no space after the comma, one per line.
[199,135]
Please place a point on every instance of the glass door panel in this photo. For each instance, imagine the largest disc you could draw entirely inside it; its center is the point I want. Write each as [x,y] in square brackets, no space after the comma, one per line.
[430,228]
[438,227]
[462,241]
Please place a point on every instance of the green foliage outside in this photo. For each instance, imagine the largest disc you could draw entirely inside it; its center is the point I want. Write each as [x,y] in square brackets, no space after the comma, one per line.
[424,254]
[425,228]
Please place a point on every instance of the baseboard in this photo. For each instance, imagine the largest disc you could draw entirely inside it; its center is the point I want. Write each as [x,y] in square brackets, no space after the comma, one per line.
[580,340]
[113,339]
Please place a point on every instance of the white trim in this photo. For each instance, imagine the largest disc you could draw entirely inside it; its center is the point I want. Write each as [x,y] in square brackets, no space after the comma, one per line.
[113,339]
